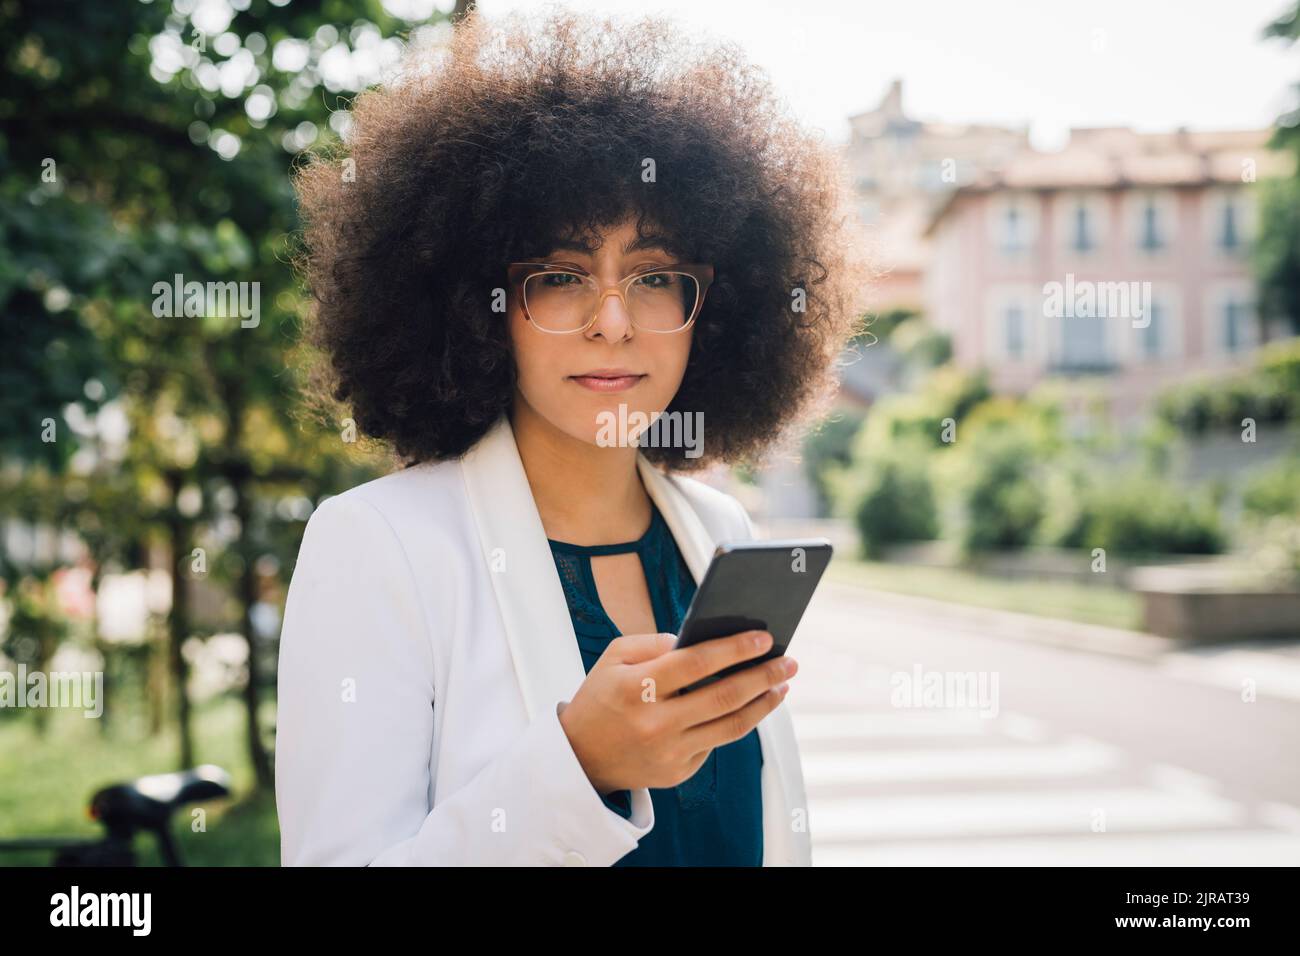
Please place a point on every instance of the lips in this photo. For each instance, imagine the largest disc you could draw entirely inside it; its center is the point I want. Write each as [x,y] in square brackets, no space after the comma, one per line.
[607,379]
[601,383]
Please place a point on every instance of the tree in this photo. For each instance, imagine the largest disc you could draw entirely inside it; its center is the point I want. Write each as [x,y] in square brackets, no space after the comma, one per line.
[139,143]
[1277,252]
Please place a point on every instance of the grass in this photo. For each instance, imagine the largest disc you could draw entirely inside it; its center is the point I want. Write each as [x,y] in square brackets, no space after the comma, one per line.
[1088,604]
[48,780]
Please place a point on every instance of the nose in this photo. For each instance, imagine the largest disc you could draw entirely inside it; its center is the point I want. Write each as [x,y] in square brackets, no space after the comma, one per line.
[613,323]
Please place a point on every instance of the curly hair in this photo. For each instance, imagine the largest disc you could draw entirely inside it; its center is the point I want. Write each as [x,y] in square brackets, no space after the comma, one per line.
[522,132]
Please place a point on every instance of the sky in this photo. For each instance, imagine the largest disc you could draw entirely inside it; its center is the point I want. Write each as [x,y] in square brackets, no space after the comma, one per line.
[1150,64]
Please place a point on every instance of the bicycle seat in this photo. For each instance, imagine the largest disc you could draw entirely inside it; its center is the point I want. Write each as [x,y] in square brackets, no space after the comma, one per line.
[149,802]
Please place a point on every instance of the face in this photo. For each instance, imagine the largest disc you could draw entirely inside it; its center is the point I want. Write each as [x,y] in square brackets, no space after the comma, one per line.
[576,382]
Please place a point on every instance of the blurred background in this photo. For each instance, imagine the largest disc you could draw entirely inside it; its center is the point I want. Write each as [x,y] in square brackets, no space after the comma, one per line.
[1062,471]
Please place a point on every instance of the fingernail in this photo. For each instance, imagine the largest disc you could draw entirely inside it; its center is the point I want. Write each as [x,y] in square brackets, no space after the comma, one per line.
[782,689]
[788,665]
[760,640]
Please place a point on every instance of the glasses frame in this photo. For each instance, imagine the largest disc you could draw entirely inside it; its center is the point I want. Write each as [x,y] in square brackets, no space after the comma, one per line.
[520,272]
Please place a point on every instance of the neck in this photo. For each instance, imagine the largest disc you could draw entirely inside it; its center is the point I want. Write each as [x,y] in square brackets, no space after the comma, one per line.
[585,494]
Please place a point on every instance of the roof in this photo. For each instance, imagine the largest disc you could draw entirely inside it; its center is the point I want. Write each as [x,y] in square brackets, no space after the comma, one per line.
[1121,158]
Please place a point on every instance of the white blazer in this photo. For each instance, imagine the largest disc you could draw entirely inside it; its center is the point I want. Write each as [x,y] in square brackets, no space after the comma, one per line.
[426,647]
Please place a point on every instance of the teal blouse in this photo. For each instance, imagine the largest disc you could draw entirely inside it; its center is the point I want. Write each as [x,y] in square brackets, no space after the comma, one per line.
[716,817]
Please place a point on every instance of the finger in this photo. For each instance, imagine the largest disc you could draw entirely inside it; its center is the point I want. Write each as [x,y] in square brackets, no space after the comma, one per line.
[638,648]
[735,725]
[729,694]
[683,667]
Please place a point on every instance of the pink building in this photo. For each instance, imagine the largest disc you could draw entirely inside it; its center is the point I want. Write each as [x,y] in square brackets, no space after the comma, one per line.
[1123,258]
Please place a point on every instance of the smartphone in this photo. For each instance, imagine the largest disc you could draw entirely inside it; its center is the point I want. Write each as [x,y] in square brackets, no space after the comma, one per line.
[754,585]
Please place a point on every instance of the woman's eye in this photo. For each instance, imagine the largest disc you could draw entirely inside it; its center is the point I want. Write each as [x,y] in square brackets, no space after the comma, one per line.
[558,279]
[656,280]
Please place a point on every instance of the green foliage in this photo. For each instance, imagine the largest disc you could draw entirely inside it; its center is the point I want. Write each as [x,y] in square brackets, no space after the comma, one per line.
[1037,420]
[1141,514]
[922,346]
[133,148]
[948,393]
[1277,246]
[1012,476]
[1279,365]
[51,248]
[1276,251]
[892,499]
[829,446]
[999,490]
[1274,491]
[116,173]
[952,436]
[905,331]
[881,327]
[1277,549]
[1268,393]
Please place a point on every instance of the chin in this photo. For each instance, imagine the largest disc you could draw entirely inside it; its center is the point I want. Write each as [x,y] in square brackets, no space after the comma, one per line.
[610,424]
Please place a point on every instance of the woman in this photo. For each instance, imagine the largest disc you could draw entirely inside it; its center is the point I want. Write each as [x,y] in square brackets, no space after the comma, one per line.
[536,243]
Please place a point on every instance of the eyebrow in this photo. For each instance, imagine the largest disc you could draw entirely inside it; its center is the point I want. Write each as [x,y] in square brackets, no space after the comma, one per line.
[639,244]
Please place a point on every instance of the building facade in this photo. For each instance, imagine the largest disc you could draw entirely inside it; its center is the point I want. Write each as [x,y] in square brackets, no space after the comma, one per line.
[1124,258]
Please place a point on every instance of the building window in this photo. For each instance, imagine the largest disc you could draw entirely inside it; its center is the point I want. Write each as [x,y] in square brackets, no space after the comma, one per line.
[1083,342]
[1081,233]
[1013,230]
[1152,338]
[1080,221]
[1014,328]
[1012,222]
[1229,218]
[1151,239]
[1151,217]
[1236,332]
[1229,230]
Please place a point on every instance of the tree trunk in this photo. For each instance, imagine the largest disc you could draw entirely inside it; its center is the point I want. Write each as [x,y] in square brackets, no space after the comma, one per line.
[247,588]
[178,619]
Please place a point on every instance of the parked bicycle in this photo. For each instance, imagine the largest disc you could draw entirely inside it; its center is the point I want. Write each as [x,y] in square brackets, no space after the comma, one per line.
[144,805]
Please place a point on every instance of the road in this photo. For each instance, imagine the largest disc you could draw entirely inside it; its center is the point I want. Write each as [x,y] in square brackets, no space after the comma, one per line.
[1011,752]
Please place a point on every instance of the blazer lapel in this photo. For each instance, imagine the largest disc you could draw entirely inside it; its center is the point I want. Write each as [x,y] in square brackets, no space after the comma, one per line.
[535,615]
[529,594]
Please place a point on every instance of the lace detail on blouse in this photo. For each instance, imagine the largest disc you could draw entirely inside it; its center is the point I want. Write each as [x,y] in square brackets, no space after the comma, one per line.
[668,580]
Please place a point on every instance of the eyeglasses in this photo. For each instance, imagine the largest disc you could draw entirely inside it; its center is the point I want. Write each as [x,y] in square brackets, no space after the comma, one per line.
[565,299]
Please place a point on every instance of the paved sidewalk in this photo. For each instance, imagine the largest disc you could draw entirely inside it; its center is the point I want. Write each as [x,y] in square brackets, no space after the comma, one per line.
[1011,624]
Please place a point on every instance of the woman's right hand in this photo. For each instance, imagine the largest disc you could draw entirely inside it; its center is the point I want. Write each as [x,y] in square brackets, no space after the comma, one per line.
[629,726]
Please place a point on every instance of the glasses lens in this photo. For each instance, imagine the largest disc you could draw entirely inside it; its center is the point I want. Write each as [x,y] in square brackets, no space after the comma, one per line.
[559,301]
[566,301]
[662,301]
